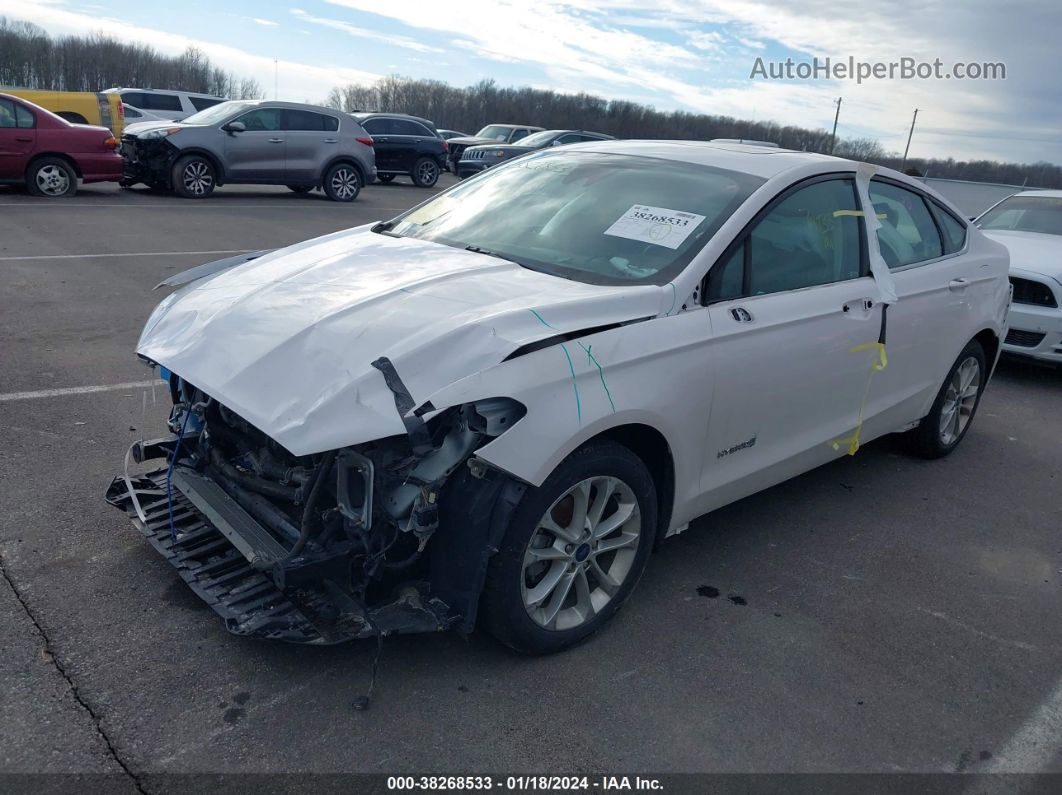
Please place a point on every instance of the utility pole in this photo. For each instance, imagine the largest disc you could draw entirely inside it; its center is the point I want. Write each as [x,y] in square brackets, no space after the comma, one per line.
[909,134]
[833,136]
[276,78]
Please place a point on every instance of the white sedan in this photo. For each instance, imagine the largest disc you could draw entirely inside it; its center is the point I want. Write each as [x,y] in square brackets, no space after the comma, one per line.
[1029,224]
[491,408]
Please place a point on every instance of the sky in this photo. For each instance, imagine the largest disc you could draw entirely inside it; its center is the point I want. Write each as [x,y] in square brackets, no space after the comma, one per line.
[694,55]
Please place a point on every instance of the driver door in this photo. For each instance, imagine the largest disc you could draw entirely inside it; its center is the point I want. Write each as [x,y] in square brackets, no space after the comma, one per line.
[258,154]
[788,302]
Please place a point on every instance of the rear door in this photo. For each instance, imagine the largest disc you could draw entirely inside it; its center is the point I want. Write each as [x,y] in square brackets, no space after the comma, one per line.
[413,140]
[788,303]
[926,325]
[312,139]
[258,153]
[384,143]
[18,137]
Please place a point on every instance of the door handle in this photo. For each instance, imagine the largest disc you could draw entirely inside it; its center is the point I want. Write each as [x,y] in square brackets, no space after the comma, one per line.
[866,304]
[331,140]
[381,140]
[957,285]
[24,140]
[276,140]
[741,314]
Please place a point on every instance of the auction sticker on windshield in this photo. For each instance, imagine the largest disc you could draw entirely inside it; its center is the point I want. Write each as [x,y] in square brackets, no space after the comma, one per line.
[657,225]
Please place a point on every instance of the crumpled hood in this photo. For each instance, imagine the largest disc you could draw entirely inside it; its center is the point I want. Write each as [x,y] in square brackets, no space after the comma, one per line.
[1031,251]
[287,340]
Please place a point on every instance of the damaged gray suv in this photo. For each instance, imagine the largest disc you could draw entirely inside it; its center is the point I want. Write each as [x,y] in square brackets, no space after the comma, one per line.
[252,142]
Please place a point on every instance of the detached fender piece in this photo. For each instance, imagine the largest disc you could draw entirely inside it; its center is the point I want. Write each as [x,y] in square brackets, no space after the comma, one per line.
[210,268]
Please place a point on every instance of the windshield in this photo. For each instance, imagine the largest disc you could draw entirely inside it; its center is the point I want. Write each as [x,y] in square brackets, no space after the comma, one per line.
[539,138]
[1025,214]
[494,131]
[592,217]
[219,112]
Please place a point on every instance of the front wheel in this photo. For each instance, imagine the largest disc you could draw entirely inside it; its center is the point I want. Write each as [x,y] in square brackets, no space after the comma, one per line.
[194,177]
[425,172]
[342,183]
[948,420]
[574,550]
[51,176]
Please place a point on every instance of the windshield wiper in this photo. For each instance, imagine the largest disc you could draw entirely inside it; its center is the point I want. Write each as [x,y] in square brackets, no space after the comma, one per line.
[384,228]
[480,250]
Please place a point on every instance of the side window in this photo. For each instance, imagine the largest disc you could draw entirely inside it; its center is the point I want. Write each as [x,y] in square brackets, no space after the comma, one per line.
[378,127]
[518,134]
[907,233]
[811,237]
[132,113]
[569,139]
[161,102]
[202,103]
[302,120]
[952,229]
[329,123]
[407,127]
[23,117]
[7,114]
[263,119]
[134,98]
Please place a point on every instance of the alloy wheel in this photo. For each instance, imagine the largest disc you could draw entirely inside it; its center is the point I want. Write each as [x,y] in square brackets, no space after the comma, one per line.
[581,553]
[52,180]
[197,178]
[427,172]
[344,183]
[960,399]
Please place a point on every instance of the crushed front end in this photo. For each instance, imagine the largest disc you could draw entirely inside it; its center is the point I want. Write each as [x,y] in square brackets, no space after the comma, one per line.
[386,537]
[147,159]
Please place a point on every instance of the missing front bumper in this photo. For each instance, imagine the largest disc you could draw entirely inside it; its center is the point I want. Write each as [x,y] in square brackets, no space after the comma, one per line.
[247,597]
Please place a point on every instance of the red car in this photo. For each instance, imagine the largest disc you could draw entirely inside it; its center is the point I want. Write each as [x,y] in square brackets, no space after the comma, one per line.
[49,154]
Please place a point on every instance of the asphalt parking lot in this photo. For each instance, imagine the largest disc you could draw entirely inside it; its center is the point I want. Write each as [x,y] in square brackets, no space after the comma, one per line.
[880,614]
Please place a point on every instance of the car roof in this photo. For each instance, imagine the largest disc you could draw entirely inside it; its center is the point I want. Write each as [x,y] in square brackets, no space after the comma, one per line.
[197,94]
[1052,194]
[274,103]
[361,116]
[506,124]
[759,161]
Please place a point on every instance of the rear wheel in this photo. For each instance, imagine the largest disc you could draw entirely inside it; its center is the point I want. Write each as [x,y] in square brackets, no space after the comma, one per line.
[948,420]
[300,188]
[342,183]
[425,172]
[574,550]
[194,177]
[51,176]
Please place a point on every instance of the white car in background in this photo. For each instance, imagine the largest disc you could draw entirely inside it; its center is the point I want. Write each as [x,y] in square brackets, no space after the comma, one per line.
[493,407]
[1029,224]
[158,104]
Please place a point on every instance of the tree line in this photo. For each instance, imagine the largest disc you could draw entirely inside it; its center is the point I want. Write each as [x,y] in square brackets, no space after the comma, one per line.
[470,108]
[30,58]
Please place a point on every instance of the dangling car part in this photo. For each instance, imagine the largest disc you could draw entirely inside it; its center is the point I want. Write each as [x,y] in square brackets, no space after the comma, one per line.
[491,408]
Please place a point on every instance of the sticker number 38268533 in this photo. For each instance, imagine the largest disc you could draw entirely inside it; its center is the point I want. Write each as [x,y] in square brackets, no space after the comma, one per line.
[657,225]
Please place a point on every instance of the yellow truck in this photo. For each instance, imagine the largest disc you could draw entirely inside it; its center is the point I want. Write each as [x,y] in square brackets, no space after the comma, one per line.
[78,107]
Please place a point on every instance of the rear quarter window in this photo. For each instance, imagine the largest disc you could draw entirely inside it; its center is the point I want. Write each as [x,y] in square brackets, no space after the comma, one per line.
[952,229]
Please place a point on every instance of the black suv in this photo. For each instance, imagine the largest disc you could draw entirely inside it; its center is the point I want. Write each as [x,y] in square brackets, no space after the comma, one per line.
[405,145]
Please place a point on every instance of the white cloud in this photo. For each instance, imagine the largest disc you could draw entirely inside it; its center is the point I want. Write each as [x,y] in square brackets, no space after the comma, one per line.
[296,80]
[363,33]
[265,22]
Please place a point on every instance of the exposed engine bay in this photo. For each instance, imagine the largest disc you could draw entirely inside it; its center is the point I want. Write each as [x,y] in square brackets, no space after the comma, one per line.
[388,536]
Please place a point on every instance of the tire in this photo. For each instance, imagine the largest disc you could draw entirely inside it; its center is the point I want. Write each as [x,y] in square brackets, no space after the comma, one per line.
[947,422]
[194,177]
[385,177]
[300,188]
[518,606]
[425,172]
[342,183]
[52,177]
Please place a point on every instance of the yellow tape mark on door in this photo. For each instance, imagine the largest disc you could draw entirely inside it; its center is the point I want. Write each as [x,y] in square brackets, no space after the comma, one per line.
[879,363]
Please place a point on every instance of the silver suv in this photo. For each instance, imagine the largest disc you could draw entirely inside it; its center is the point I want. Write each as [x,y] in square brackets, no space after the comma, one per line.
[253,142]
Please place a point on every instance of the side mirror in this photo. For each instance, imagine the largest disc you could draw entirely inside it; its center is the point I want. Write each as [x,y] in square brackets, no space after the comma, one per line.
[235,127]
[556,143]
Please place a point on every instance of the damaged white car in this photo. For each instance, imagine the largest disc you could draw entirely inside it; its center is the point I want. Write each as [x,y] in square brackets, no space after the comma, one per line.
[491,408]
